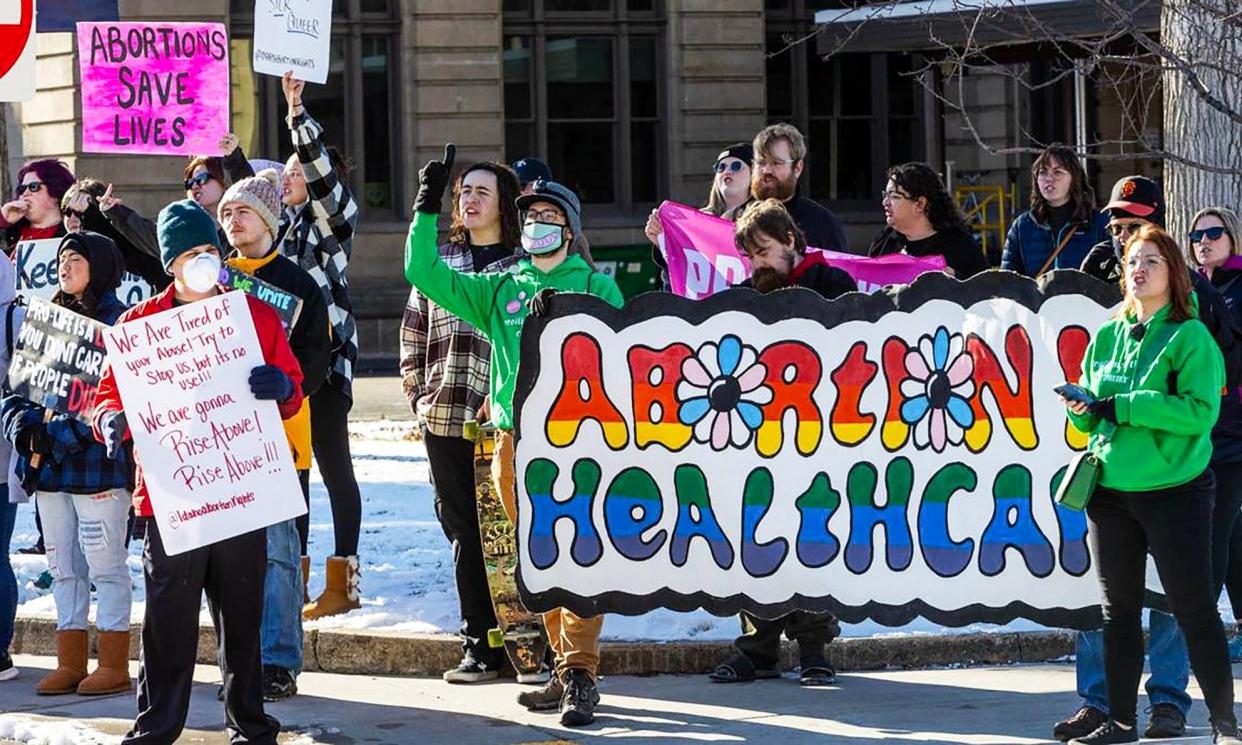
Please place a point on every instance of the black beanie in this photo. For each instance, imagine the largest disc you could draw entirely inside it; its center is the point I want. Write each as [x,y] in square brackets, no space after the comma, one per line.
[107,265]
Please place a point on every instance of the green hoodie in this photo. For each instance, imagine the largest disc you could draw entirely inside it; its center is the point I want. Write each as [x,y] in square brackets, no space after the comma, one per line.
[1163,432]
[496,303]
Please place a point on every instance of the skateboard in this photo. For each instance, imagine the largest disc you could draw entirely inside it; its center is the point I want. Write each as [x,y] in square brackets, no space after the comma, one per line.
[519,631]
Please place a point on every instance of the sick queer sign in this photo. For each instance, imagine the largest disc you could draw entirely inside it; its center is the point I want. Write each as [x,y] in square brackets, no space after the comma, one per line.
[880,456]
[215,460]
[158,88]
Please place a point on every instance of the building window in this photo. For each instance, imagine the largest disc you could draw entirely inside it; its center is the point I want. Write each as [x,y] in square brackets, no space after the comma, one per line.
[582,91]
[357,106]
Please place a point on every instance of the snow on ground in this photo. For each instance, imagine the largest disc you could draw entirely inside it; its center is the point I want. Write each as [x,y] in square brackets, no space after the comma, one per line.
[407,567]
[51,732]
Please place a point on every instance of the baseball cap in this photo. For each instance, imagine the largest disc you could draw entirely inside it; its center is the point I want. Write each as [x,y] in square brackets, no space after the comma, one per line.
[559,194]
[1138,196]
[531,169]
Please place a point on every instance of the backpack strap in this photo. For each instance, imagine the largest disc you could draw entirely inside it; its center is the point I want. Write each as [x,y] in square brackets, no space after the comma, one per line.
[1057,252]
[8,325]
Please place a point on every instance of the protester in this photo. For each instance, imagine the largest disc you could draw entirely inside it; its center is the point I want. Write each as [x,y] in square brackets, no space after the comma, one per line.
[322,216]
[204,181]
[231,571]
[444,371]
[248,213]
[1062,225]
[923,220]
[80,207]
[34,213]
[495,303]
[82,492]
[11,315]
[1156,375]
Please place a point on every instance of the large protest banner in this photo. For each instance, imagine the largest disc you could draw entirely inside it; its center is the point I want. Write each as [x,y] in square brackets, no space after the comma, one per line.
[58,360]
[293,35]
[880,456]
[157,88]
[215,459]
[703,259]
[38,274]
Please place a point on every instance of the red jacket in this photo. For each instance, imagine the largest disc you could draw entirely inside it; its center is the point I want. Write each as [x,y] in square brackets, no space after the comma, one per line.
[276,352]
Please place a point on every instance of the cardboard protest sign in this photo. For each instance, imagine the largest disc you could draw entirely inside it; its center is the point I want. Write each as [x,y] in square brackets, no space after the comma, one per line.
[703,259]
[293,35]
[38,274]
[287,305]
[158,88]
[58,360]
[17,50]
[215,459]
[880,456]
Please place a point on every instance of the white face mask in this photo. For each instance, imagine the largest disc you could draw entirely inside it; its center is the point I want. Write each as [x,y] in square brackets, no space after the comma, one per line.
[202,272]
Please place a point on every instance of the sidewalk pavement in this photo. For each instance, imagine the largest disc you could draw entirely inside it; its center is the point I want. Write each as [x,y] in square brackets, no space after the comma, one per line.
[1016,704]
[379,397]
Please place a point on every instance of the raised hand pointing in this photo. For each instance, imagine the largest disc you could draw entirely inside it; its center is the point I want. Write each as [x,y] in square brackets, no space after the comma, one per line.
[433,180]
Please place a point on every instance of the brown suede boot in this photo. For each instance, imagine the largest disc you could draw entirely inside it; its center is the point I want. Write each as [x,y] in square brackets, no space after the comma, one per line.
[305,579]
[340,595]
[70,665]
[112,674]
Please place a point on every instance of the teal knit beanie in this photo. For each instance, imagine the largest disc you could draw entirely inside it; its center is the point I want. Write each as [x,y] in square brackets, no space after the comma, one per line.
[182,226]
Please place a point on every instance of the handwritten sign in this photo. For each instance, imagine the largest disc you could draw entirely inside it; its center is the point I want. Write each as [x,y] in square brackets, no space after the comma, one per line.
[215,459]
[38,275]
[287,305]
[293,35]
[161,89]
[58,360]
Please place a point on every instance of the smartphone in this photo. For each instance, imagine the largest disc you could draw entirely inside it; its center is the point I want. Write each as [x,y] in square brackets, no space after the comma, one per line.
[1075,393]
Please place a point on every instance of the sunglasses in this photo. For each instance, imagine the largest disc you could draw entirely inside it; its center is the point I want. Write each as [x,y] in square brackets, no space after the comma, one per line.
[199,180]
[1212,234]
[1118,228]
[75,213]
[733,167]
[34,187]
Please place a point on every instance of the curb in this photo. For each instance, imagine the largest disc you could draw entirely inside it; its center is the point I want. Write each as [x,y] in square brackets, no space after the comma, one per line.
[362,652]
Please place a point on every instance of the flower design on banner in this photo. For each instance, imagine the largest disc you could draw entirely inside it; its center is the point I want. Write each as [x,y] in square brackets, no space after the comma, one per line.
[936,395]
[721,391]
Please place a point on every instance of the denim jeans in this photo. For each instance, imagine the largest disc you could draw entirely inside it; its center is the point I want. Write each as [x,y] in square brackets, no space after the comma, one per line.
[282,598]
[1166,654]
[8,581]
[85,536]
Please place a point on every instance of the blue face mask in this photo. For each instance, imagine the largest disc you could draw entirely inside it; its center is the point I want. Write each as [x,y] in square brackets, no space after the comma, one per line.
[539,238]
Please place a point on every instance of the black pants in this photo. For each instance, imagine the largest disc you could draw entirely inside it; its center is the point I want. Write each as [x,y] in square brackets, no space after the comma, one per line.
[452,477]
[232,573]
[1225,524]
[303,522]
[330,442]
[761,638]
[1175,525]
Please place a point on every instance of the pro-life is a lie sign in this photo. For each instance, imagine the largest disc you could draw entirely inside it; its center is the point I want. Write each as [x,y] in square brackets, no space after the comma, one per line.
[215,459]
[293,35]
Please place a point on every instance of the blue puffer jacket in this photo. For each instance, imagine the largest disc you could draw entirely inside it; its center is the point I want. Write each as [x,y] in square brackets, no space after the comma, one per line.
[1029,244]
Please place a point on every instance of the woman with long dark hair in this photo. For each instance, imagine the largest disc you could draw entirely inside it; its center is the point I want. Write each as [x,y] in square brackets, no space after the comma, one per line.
[1062,224]
[1155,373]
[923,220]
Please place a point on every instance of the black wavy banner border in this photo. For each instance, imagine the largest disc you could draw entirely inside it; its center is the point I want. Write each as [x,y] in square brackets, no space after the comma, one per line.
[804,304]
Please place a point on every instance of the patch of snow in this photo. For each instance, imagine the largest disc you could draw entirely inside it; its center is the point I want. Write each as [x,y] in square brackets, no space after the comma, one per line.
[51,732]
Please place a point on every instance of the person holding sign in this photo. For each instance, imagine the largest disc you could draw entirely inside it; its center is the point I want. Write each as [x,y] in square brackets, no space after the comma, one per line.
[34,213]
[248,213]
[82,492]
[231,571]
[497,304]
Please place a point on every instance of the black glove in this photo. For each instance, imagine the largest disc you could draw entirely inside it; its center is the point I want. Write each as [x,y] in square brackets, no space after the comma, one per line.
[34,440]
[433,180]
[269,383]
[113,425]
[541,303]
[1106,409]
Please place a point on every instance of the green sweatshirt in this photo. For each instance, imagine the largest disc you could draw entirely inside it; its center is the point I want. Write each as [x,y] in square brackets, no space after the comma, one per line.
[1163,433]
[496,303]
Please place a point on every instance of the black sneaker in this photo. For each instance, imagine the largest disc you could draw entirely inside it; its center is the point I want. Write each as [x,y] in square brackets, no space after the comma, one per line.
[578,703]
[1166,721]
[7,670]
[1085,721]
[471,670]
[35,550]
[1108,733]
[278,684]
[1225,733]
[547,698]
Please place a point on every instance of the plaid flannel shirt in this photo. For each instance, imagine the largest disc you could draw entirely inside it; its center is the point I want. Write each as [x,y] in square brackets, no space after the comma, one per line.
[320,238]
[445,362]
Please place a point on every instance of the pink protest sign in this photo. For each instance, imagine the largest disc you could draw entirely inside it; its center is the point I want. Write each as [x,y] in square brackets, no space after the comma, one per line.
[703,259]
[157,88]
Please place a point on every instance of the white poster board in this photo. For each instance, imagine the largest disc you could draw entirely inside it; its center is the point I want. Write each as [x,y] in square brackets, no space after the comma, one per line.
[293,35]
[38,275]
[17,50]
[215,459]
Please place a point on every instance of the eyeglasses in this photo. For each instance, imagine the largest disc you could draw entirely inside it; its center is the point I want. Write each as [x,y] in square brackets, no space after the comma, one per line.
[1212,234]
[893,196]
[1053,173]
[733,167]
[34,187]
[765,163]
[1117,228]
[549,215]
[199,180]
[1150,263]
[75,213]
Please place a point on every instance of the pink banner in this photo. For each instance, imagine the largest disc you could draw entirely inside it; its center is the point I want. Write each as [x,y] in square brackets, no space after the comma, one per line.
[703,259]
[156,88]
